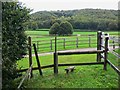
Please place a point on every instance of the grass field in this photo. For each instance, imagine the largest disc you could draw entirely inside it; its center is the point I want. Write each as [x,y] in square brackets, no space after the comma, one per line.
[46,43]
[91,76]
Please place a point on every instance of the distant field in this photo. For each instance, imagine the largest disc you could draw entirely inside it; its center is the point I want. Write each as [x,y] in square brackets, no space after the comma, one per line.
[46,32]
[46,43]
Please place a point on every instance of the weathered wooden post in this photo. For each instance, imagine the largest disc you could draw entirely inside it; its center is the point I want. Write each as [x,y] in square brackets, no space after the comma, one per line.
[37,46]
[99,33]
[37,58]
[64,43]
[55,57]
[89,40]
[30,54]
[51,44]
[113,42]
[77,42]
[106,52]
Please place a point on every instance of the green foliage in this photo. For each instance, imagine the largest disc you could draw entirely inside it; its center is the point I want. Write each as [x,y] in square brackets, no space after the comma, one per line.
[65,28]
[13,39]
[54,28]
[94,19]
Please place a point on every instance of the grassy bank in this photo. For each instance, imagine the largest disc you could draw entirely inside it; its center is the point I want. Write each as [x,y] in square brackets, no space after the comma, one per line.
[91,76]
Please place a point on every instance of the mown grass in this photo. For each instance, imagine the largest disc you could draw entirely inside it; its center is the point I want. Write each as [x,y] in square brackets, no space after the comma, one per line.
[44,42]
[91,76]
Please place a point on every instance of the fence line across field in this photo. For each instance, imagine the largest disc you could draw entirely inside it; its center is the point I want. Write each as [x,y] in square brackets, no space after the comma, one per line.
[101,52]
[66,42]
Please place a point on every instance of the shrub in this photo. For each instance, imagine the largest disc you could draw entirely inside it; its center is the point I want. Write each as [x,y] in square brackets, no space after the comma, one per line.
[54,28]
[65,28]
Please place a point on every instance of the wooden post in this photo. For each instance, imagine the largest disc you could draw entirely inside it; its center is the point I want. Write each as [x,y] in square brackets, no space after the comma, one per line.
[99,33]
[51,44]
[30,54]
[55,58]
[113,43]
[37,58]
[89,40]
[37,46]
[106,52]
[64,43]
[76,42]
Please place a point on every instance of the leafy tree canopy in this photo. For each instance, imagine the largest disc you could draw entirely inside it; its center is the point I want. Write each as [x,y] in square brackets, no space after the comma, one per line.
[65,28]
[14,15]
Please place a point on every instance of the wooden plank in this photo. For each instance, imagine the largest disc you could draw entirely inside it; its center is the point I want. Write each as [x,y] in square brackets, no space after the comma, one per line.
[30,53]
[80,52]
[37,58]
[78,64]
[36,68]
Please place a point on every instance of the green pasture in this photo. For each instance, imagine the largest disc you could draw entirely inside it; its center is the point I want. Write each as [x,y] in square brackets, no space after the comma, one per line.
[43,41]
[90,76]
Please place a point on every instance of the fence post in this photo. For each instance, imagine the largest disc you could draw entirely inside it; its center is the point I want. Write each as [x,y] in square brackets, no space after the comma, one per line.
[37,58]
[76,42]
[55,58]
[51,44]
[30,54]
[64,43]
[106,52]
[37,46]
[113,43]
[99,34]
[89,40]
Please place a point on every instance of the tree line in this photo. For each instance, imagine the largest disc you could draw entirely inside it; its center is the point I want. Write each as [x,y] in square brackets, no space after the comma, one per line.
[91,19]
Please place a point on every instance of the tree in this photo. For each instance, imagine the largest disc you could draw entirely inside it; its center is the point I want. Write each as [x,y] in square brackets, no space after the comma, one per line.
[65,28]
[14,15]
[54,28]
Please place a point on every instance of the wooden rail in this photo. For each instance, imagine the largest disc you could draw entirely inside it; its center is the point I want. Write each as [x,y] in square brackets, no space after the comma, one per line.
[36,68]
[81,52]
[26,76]
[114,67]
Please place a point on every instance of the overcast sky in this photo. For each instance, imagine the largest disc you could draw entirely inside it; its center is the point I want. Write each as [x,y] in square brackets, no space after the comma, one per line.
[40,5]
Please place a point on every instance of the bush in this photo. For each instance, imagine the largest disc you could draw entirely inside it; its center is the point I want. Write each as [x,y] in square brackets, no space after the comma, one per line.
[65,28]
[14,15]
[54,28]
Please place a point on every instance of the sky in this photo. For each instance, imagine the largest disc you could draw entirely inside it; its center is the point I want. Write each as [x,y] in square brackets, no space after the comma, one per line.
[41,5]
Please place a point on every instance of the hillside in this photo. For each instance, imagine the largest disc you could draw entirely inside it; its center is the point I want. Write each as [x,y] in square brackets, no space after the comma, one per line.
[92,19]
